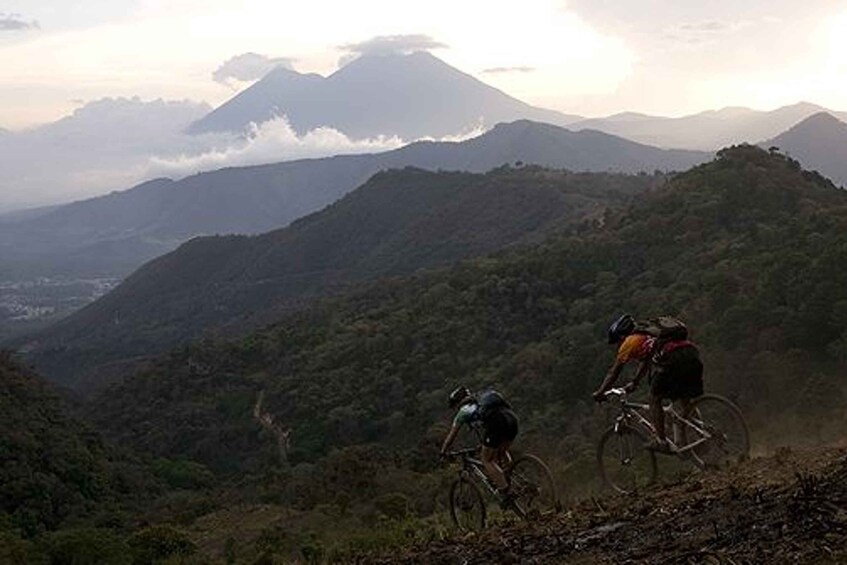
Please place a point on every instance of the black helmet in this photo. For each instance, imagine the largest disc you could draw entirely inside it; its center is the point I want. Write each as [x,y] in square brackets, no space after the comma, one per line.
[457,396]
[621,328]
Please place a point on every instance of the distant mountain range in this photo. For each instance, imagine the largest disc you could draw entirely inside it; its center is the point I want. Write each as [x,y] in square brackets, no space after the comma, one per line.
[418,95]
[103,145]
[819,142]
[398,222]
[115,233]
[410,96]
[706,131]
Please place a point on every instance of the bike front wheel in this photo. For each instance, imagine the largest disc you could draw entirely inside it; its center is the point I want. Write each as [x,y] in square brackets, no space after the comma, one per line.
[726,439]
[467,505]
[624,464]
[531,487]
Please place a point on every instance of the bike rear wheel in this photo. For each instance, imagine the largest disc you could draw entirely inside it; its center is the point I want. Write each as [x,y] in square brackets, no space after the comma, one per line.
[625,465]
[467,505]
[729,441]
[531,487]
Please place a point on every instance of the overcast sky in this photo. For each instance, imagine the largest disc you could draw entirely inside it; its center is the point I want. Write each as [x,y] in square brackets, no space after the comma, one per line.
[591,57]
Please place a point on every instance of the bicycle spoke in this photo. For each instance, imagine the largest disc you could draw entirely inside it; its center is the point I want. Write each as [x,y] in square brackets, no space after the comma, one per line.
[722,431]
[531,486]
[467,506]
[625,465]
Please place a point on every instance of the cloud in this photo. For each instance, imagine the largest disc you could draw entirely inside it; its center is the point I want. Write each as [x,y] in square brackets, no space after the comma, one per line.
[104,145]
[115,143]
[14,22]
[500,70]
[708,26]
[703,32]
[249,67]
[393,44]
[270,142]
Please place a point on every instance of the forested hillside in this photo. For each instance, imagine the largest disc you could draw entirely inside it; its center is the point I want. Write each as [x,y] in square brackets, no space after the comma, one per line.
[53,464]
[395,224]
[316,437]
[63,490]
[748,249]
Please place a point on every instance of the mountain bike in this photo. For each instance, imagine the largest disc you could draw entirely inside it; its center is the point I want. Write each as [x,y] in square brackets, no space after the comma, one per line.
[532,492]
[714,434]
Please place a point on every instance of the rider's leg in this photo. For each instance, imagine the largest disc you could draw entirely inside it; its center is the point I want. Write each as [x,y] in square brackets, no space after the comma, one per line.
[505,456]
[680,434]
[657,412]
[490,455]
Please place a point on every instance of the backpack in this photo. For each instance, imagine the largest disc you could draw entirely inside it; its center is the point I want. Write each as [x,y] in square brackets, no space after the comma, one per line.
[680,360]
[489,401]
[663,328]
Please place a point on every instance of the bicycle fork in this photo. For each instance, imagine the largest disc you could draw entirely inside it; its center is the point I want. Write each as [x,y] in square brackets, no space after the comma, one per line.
[624,447]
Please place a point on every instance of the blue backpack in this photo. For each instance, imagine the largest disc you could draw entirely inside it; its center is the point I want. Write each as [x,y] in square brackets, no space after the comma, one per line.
[489,401]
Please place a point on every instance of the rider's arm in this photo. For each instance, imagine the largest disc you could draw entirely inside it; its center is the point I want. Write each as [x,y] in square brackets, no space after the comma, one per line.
[463,416]
[611,378]
[451,437]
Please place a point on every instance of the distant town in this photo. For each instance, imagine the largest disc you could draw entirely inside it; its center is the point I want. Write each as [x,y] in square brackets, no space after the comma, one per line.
[48,298]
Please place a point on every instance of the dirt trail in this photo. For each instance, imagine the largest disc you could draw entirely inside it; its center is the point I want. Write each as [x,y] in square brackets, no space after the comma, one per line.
[787,508]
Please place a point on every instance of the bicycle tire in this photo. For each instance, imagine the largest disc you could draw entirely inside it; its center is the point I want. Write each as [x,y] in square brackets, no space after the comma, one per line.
[730,442]
[532,488]
[624,464]
[467,505]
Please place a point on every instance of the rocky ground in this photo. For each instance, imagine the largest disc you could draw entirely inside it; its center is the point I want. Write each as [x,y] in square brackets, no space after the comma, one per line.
[790,507]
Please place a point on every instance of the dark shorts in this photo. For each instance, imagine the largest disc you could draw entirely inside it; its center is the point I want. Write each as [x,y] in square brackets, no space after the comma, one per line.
[679,376]
[499,427]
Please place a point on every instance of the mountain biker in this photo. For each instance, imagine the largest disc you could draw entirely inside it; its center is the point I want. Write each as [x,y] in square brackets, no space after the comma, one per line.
[491,417]
[677,372]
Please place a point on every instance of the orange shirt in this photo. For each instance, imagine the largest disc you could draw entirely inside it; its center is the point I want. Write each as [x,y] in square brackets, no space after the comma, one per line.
[636,346]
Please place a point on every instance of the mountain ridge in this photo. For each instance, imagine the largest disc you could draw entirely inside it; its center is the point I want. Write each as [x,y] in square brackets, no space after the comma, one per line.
[398,222]
[215,202]
[818,142]
[410,96]
[707,130]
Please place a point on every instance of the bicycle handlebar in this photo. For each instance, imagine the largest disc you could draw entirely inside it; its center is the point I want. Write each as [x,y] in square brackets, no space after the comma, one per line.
[615,392]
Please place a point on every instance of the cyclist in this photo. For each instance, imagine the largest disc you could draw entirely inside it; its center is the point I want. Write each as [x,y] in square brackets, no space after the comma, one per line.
[491,417]
[677,374]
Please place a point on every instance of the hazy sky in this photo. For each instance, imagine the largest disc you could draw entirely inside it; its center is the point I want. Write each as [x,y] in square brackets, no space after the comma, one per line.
[590,57]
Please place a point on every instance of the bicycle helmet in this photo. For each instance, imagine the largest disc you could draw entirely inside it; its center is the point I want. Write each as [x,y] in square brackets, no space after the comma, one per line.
[457,396]
[621,328]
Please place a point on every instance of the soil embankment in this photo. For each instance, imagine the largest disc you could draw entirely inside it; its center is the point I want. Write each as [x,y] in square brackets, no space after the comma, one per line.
[790,507]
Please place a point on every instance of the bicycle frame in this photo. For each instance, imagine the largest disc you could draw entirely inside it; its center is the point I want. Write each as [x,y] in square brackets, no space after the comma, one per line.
[632,414]
[472,467]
